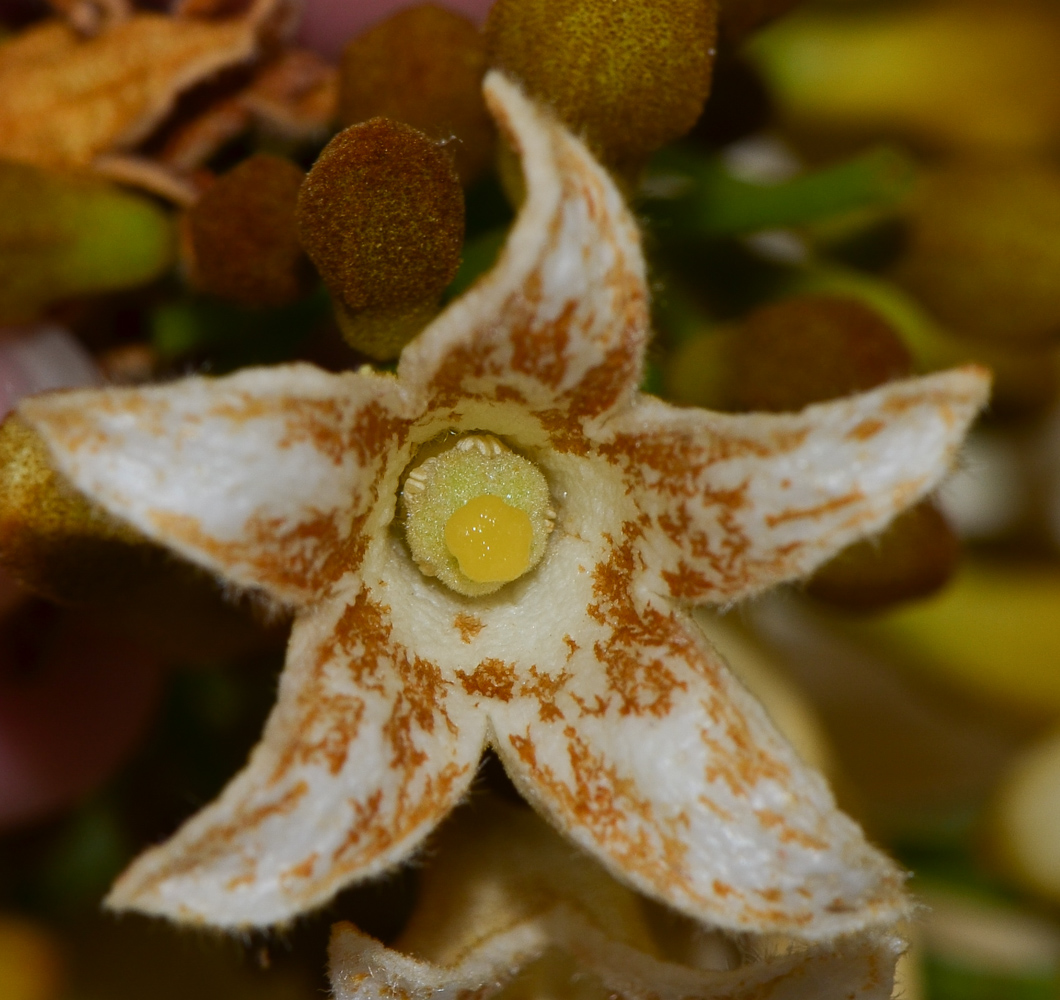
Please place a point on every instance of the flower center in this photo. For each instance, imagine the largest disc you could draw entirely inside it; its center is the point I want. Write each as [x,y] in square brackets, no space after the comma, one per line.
[477,516]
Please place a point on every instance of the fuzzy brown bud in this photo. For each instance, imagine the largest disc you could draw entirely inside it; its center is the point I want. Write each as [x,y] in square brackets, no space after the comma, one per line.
[914,556]
[422,66]
[810,349]
[629,77]
[241,235]
[381,214]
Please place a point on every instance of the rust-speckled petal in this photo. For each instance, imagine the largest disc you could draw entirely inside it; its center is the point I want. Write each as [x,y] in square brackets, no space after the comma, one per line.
[646,751]
[561,320]
[366,750]
[267,477]
[502,895]
[738,503]
[67,100]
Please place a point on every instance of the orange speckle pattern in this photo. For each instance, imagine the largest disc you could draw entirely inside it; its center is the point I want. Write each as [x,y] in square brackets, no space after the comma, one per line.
[607,707]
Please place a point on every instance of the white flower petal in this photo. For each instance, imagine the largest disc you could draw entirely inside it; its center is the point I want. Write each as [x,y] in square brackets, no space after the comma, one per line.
[561,321]
[738,503]
[645,750]
[362,756]
[265,476]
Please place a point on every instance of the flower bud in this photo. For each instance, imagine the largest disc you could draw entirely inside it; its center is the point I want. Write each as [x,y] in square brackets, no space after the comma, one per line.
[983,255]
[628,77]
[241,238]
[914,556]
[954,76]
[789,354]
[1025,379]
[381,215]
[422,66]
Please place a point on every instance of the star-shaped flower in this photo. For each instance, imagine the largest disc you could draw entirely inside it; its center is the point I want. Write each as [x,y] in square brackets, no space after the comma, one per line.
[584,672]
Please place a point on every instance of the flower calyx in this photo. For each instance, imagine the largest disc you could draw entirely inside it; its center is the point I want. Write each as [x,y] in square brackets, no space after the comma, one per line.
[476,514]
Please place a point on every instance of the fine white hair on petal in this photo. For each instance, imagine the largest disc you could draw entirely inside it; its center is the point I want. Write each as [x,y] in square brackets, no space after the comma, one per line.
[365,752]
[259,475]
[737,503]
[647,752]
[503,894]
[612,716]
[564,309]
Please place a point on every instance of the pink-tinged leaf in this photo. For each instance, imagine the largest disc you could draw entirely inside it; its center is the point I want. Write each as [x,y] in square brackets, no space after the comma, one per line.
[738,503]
[38,359]
[654,758]
[560,322]
[364,753]
[269,476]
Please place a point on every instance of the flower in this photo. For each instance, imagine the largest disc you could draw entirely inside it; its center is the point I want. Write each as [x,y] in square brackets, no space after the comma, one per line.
[585,674]
[504,903]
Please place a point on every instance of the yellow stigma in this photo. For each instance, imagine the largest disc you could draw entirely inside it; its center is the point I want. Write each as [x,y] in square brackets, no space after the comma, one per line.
[475,514]
[490,540]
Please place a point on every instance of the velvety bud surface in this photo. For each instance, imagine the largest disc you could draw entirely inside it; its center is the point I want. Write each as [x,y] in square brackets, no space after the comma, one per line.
[628,77]
[808,350]
[913,557]
[244,246]
[381,215]
[422,66]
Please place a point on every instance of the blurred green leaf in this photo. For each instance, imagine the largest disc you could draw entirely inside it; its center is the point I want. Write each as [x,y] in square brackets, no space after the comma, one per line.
[692,195]
[946,981]
[85,859]
[232,336]
[64,235]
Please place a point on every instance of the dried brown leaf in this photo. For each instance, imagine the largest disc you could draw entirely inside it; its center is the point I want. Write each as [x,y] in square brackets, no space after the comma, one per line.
[148,175]
[67,101]
[294,96]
